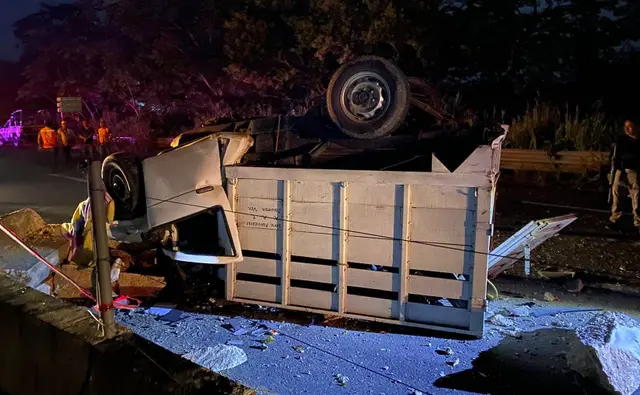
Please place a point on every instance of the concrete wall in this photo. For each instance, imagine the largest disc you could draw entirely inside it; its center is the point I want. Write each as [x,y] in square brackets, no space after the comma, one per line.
[51,347]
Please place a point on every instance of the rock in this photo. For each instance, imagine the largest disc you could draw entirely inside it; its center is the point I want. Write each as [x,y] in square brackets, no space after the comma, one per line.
[45,239]
[23,222]
[444,351]
[218,358]
[501,320]
[574,286]
[609,352]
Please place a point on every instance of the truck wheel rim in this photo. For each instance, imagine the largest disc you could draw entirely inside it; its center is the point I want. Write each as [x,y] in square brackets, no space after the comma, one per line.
[365,97]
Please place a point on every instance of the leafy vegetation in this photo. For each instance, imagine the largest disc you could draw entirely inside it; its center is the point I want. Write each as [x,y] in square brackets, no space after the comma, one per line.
[552,128]
[221,58]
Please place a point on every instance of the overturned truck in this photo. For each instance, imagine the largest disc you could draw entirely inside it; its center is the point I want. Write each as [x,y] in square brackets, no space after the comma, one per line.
[347,210]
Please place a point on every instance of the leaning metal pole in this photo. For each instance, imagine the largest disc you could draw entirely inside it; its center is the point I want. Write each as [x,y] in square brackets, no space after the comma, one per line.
[101,240]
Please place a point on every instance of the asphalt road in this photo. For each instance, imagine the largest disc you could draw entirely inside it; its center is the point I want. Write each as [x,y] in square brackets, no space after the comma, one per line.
[25,181]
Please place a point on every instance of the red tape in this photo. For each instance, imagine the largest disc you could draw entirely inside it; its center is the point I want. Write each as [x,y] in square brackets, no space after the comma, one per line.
[121,302]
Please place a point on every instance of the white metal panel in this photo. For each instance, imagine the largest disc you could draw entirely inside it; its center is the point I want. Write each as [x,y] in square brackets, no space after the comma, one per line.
[439,287]
[373,279]
[533,234]
[440,197]
[366,225]
[374,307]
[314,192]
[359,176]
[314,272]
[313,298]
[382,218]
[438,315]
[171,191]
[258,291]
[375,195]
[259,266]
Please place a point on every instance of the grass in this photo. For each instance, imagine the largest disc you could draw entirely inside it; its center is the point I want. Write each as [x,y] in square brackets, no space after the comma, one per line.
[545,127]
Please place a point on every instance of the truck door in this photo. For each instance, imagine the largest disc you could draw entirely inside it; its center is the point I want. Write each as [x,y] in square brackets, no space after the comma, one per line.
[183,187]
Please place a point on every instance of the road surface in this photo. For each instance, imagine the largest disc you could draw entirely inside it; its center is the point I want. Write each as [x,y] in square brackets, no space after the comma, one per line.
[26,182]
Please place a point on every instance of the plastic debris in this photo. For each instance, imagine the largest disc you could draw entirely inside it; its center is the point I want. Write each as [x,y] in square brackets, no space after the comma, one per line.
[341,379]
[240,332]
[445,351]
[548,296]
[270,339]
[416,392]
[160,310]
[172,316]
[258,332]
[453,363]
[385,368]
[299,349]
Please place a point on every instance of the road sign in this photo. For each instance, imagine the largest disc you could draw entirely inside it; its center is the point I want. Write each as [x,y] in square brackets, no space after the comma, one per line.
[69,104]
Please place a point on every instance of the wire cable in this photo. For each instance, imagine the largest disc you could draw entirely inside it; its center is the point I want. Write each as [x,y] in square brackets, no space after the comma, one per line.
[448,246]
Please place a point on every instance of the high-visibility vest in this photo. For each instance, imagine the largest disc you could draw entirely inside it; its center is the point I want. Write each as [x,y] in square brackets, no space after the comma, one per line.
[48,137]
[103,135]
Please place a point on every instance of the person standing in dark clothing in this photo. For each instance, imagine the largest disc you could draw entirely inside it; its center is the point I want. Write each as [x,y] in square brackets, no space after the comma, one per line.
[87,134]
[627,165]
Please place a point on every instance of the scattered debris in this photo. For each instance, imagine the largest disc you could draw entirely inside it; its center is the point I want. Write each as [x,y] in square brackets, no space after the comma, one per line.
[260,347]
[519,311]
[548,296]
[501,320]
[212,301]
[416,392]
[235,343]
[270,339]
[341,379]
[557,274]
[241,331]
[385,368]
[453,363]
[609,352]
[160,310]
[574,286]
[528,304]
[445,351]
[510,332]
[258,332]
[299,349]
[172,316]
[562,310]
[218,358]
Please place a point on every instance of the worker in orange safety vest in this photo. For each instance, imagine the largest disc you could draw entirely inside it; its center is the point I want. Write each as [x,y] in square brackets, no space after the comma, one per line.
[48,144]
[104,138]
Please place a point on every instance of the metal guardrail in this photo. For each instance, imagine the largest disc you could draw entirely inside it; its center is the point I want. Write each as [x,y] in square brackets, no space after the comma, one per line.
[563,161]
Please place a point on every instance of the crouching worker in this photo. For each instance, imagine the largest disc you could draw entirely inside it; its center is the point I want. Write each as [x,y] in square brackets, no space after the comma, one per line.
[80,232]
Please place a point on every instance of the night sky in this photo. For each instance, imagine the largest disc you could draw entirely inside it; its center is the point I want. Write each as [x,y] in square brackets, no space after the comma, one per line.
[11,11]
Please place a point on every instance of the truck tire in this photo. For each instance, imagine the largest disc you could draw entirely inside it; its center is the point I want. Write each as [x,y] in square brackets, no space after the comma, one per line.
[122,176]
[368,98]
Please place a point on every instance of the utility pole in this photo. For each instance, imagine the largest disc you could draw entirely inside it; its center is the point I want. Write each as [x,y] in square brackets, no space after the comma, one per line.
[101,254]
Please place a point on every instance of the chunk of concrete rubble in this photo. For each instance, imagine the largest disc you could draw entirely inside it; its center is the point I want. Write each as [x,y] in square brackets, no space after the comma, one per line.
[218,358]
[501,320]
[45,239]
[609,352]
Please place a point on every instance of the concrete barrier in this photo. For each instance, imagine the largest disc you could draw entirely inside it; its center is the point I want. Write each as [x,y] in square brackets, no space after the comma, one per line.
[47,240]
[48,346]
